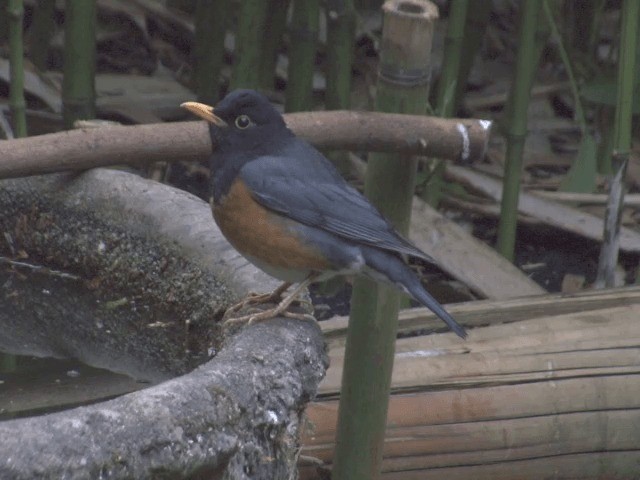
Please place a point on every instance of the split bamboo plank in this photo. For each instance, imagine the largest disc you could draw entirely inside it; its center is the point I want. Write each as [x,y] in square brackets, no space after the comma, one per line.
[553,213]
[489,312]
[550,393]
[466,258]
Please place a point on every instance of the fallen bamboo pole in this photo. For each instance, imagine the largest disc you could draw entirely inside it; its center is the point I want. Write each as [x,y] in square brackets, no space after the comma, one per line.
[455,139]
[552,213]
[551,394]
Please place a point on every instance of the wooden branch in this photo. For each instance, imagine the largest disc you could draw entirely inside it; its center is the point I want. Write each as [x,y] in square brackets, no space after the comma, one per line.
[552,213]
[454,139]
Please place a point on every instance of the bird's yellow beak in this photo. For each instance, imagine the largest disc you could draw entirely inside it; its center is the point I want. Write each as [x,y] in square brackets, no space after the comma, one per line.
[205,112]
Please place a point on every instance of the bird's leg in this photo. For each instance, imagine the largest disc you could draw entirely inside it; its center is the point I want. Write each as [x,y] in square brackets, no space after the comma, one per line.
[280,309]
[258,298]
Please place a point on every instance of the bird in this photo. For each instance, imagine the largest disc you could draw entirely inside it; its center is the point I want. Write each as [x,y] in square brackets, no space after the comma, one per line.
[285,207]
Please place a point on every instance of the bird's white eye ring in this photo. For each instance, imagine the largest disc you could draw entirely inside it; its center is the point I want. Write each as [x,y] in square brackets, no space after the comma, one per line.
[243,121]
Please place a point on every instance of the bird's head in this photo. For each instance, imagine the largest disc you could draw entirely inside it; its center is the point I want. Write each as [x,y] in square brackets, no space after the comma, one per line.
[244,118]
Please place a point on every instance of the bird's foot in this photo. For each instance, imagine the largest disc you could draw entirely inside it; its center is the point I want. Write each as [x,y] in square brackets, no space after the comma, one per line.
[266,315]
[259,299]
[279,310]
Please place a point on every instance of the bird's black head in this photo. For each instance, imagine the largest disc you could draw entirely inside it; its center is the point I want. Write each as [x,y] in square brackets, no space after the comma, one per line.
[243,126]
[243,109]
[243,121]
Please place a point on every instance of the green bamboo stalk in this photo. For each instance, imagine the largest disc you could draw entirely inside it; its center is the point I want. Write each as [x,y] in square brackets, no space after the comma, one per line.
[402,87]
[596,23]
[4,21]
[564,55]
[474,32]
[302,55]
[452,58]
[41,31]
[447,87]
[581,176]
[248,54]
[78,84]
[341,25]
[516,124]
[627,77]
[15,13]
[211,26]
[274,32]
[341,28]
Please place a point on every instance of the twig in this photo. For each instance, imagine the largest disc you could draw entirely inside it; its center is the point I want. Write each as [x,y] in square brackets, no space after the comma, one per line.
[39,269]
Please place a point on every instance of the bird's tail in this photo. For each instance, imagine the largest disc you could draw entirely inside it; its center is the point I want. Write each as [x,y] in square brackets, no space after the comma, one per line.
[395,271]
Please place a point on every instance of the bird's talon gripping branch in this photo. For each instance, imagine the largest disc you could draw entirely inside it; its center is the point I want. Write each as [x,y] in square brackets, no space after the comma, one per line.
[259,298]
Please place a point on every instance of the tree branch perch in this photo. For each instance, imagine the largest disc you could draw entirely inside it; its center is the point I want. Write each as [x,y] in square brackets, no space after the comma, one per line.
[463,140]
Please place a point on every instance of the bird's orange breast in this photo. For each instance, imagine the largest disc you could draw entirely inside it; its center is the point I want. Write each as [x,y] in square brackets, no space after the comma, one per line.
[255,231]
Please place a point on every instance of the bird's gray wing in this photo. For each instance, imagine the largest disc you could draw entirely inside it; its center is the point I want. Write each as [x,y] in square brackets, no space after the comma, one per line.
[312,192]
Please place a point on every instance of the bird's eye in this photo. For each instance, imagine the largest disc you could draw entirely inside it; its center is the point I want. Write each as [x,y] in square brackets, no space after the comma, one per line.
[243,121]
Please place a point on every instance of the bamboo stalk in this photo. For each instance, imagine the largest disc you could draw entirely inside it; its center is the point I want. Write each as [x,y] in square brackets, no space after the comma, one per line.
[248,53]
[453,43]
[4,22]
[584,164]
[474,31]
[516,121]
[402,86]
[447,87]
[211,27]
[78,85]
[341,24]
[627,65]
[302,55]
[272,41]
[41,31]
[15,12]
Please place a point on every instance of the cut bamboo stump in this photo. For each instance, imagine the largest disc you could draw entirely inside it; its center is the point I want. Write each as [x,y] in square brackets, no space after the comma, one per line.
[548,388]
